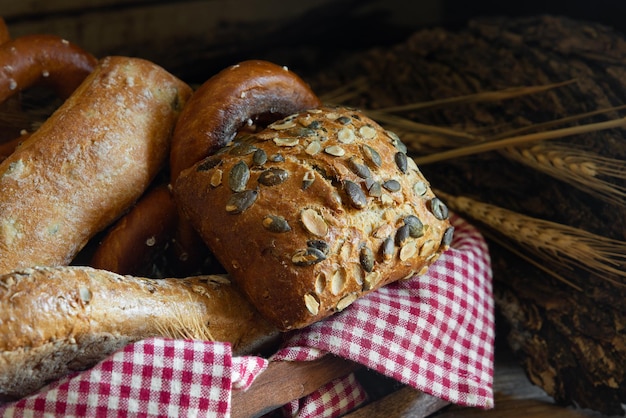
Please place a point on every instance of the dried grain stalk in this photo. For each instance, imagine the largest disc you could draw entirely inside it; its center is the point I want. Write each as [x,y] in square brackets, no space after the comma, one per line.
[552,242]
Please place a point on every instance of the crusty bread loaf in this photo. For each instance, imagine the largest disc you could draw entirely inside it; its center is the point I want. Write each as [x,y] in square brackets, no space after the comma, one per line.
[57,320]
[87,163]
[316,210]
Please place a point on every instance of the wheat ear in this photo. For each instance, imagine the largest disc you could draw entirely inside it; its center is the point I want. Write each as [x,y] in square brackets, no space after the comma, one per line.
[580,168]
[553,242]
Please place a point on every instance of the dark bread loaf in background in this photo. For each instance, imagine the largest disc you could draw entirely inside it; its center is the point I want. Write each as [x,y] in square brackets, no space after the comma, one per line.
[313,212]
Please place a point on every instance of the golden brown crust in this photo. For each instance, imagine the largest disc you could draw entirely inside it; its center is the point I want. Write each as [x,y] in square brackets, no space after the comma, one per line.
[226,101]
[325,221]
[56,320]
[46,59]
[88,163]
[135,240]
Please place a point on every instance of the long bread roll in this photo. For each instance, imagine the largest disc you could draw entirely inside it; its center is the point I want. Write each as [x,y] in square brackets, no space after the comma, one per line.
[57,320]
[87,163]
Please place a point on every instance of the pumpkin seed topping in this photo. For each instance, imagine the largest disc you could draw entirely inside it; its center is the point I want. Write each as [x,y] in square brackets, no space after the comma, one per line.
[277,158]
[416,227]
[335,150]
[275,223]
[320,245]
[408,250]
[344,120]
[308,179]
[241,201]
[402,235]
[367,132]
[387,248]
[259,157]
[427,248]
[438,208]
[314,222]
[392,185]
[366,258]
[311,303]
[375,189]
[286,142]
[346,136]
[420,188]
[307,257]
[448,235]
[358,168]
[346,301]
[371,280]
[209,162]
[242,149]
[401,161]
[355,194]
[273,176]
[372,155]
[216,177]
[314,147]
[238,177]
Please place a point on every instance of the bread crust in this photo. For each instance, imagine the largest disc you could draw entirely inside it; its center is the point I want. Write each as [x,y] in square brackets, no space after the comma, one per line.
[88,163]
[57,320]
[316,233]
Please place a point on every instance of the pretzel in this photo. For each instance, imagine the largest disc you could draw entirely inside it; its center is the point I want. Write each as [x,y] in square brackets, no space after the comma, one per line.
[229,100]
[46,59]
[139,236]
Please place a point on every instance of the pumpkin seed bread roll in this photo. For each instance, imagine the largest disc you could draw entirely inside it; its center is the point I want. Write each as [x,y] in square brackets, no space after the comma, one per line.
[314,211]
[87,163]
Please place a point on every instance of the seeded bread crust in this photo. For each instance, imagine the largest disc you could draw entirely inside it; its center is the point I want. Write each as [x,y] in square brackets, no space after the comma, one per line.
[54,321]
[88,163]
[313,212]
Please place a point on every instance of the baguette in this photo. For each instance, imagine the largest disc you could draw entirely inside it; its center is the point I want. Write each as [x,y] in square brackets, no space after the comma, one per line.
[87,163]
[57,320]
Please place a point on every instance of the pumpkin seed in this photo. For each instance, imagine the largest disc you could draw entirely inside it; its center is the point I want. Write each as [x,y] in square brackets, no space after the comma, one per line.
[307,257]
[420,188]
[358,168]
[286,142]
[338,281]
[344,120]
[209,162]
[408,250]
[346,136]
[320,245]
[273,176]
[242,149]
[371,280]
[241,201]
[277,158]
[355,194]
[314,222]
[308,179]
[387,249]
[335,150]
[314,147]
[259,157]
[275,223]
[396,141]
[401,161]
[416,227]
[366,258]
[427,248]
[346,301]
[238,177]
[372,155]
[375,189]
[367,132]
[438,208]
[311,303]
[392,185]
[448,235]
[402,235]
[216,177]
[315,124]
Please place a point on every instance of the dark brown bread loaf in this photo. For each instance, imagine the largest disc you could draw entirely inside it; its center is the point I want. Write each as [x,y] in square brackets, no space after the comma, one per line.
[313,212]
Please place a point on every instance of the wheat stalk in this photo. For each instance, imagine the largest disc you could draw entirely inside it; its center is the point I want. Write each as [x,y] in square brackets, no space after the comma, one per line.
[550,241]
[580,168]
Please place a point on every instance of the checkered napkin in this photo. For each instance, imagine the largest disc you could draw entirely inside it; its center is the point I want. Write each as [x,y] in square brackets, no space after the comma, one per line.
[434,332]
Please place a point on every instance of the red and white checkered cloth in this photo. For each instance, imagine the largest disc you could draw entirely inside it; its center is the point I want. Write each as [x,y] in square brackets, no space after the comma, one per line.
[434,332]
